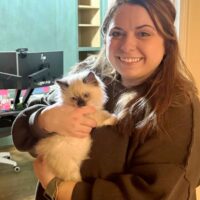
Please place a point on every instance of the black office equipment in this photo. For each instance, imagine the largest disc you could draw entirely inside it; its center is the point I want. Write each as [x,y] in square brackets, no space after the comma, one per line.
[8,62]
[29,70]
[39,69]
[25,70]
[9,77]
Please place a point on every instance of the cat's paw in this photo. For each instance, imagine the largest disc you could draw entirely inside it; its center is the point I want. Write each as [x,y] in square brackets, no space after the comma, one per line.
[112,120]
[74,176]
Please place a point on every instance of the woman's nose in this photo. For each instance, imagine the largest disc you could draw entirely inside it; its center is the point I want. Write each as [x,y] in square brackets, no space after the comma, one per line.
[129,43]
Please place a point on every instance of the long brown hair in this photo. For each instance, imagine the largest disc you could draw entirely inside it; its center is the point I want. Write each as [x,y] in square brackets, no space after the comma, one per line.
[142,114]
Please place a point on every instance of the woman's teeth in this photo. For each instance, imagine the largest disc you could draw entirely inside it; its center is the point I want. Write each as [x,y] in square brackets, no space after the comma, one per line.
[130,60]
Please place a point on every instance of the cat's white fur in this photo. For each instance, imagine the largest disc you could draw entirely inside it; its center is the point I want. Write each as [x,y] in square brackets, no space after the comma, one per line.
[65,154]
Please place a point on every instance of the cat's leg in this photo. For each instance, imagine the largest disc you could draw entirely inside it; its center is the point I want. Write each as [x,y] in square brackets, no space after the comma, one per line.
[73,172]
[112,120]
[108,118]
[75,176]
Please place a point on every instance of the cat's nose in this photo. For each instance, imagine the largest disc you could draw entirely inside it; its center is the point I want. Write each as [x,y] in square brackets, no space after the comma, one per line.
[81,103]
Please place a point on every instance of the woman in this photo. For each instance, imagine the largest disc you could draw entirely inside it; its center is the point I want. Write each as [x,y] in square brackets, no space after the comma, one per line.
[152,152]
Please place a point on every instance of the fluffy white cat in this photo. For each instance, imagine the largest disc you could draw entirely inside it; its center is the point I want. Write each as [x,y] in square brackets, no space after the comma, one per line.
[65,154]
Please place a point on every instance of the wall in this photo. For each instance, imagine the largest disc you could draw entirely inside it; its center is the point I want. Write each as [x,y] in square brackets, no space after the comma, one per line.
[39,26]
[46,25]
[189,36]
[189,40]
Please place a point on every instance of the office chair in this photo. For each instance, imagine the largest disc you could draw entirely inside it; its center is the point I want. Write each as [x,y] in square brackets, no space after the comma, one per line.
[5,157]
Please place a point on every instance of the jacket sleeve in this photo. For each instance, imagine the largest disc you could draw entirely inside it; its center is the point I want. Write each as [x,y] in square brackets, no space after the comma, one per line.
[25,131]
[154,170]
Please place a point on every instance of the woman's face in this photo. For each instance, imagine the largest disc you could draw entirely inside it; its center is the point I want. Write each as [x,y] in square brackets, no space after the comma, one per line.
[133,45]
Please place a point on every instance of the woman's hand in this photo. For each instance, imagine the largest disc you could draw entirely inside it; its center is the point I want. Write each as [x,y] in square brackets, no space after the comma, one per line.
[44,175]
[64,119]
[42,172]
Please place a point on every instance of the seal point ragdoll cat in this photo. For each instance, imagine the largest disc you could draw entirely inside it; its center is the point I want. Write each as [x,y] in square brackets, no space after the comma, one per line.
[65,154]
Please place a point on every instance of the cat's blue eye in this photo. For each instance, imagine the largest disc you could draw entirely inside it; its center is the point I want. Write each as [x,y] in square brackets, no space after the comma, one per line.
[86,95]
[73,98]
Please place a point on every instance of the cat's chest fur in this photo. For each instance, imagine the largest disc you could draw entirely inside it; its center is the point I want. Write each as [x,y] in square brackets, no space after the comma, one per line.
[64,154]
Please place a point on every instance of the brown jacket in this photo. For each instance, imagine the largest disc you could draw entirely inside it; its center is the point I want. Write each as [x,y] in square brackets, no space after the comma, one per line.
[165,167]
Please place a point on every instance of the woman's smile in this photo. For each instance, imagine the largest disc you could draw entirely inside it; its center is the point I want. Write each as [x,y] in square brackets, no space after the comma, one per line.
[133,45]
[130,60]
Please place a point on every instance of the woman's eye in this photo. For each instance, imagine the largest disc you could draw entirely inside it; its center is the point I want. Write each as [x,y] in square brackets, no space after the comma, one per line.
[116,34]
[143,34]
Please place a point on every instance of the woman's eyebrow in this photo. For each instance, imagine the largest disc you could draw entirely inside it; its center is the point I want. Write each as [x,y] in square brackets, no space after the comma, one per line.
[146,25]
[116,27]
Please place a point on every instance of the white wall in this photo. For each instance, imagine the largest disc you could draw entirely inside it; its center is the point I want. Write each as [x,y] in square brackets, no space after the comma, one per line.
[189,36]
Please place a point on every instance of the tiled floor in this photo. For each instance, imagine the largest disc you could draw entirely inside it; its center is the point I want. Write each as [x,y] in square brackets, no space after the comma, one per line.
[17,185]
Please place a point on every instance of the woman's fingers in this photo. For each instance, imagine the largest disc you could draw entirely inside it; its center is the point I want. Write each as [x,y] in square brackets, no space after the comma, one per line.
[87,110]
[67,120]
[88,122]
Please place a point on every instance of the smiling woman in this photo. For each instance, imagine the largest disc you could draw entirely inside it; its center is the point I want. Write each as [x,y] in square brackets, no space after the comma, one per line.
[133,45]
[153,150]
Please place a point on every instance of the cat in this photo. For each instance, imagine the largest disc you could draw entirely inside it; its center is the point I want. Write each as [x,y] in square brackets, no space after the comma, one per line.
[65,154]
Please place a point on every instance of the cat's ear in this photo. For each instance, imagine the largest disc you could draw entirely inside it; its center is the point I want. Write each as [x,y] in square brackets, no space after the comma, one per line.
[90,79]
[63,84]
